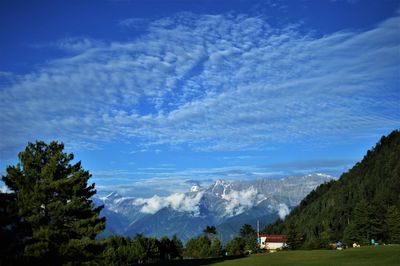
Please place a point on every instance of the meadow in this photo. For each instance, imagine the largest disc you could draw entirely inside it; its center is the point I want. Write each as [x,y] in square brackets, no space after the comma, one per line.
[378,255]
[369,255]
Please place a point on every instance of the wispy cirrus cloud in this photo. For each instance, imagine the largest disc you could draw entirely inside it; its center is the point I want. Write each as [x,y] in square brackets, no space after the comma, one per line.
[311,166]
[78,44]
[210,82]
[136,23]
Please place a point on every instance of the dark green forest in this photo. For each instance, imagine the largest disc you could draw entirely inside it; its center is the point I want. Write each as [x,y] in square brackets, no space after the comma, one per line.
[48,217]
[363,204]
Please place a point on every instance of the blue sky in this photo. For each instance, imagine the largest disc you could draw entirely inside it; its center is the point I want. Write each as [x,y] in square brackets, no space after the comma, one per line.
[159,93]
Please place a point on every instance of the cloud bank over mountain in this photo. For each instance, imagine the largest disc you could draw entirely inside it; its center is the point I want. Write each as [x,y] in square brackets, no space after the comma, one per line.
[239,201]
[177,201]
[224,203]
[283,210]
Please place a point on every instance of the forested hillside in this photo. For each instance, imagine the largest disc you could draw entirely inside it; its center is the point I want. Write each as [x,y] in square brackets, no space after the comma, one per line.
[363,204]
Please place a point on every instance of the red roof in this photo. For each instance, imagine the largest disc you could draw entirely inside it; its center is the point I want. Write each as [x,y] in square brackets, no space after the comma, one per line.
[274,238]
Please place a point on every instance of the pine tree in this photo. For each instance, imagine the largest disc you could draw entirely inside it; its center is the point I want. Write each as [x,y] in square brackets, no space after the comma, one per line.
[235,246]
[177,250]
[12,231]
[210,230]
[248,234]
[350,234]
[366,223]
[361,230]
[251,243]
[165,247]
[53,198]
[393,224]
[294,240]
[199,247]
[375,221]
[216,247]
[247,230]
[145,248]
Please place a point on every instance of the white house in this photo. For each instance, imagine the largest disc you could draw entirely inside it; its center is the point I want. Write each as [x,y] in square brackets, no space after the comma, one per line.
[272,242]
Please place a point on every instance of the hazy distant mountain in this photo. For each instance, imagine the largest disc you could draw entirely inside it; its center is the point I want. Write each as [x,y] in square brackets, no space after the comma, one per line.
[225,204]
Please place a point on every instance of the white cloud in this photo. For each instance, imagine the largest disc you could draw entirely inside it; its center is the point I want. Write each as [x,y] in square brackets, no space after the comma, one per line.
[283,210]
[220,82]
[178,201]
[78,44]
[239,201]
[135,23]
[4,189]
[235,201]
[144,184]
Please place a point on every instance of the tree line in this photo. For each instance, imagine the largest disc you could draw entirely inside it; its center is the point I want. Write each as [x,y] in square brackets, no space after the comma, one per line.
[118,250]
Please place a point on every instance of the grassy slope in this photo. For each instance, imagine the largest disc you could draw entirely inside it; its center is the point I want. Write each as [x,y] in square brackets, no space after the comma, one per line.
[380,255]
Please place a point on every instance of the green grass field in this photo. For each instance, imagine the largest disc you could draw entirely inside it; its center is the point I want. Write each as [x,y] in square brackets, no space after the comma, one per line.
[379,255]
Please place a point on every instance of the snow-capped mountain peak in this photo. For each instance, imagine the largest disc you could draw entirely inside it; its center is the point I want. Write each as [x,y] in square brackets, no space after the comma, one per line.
[113,195]
[221,202]
[195,188]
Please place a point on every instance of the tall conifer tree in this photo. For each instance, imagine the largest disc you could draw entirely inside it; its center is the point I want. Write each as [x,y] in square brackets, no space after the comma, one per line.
[52,196]
[393,223]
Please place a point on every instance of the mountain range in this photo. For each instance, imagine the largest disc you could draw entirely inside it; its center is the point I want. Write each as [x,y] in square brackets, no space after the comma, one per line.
[225,204]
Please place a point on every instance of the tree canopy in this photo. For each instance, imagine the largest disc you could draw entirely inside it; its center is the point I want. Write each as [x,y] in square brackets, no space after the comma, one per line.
[210,230]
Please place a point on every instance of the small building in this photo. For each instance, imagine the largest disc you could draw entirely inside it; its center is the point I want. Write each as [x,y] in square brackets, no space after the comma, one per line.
[272,242]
